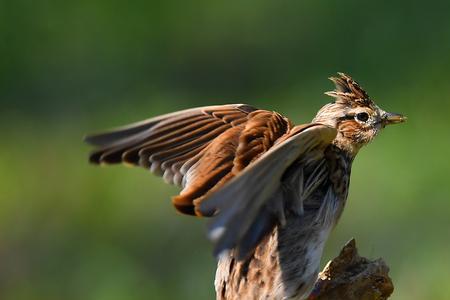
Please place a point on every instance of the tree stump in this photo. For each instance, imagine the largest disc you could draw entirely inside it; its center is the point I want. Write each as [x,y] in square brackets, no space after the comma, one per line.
[352,277]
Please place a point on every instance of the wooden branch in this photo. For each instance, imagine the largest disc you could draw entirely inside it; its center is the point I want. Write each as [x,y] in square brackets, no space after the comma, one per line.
[352,277]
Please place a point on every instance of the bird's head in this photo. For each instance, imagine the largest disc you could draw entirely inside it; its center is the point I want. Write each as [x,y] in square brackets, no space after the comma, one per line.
[355,116]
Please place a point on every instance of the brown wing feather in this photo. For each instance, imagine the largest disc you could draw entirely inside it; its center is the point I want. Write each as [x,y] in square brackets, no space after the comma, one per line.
[199,149]
[162,133]
[228,155]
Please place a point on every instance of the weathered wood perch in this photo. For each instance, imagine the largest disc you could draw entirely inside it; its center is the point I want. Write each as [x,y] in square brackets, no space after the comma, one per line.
[352,277]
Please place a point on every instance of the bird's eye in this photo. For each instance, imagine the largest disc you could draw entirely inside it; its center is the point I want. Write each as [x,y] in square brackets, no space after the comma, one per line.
[363,117]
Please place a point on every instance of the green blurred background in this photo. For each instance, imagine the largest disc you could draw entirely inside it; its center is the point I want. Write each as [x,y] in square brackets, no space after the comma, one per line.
[72,231]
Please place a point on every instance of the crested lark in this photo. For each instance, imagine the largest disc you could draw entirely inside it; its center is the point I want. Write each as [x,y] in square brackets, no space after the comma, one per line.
[274,190]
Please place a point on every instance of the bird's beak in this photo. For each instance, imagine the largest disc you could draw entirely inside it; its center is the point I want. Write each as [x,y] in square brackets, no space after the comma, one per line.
[392,118]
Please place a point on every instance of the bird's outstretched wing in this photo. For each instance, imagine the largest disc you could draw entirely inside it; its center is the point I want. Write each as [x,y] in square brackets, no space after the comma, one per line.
[229,160]
[198,149]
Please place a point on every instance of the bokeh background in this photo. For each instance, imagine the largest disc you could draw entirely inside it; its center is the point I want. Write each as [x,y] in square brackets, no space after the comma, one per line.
[72,231]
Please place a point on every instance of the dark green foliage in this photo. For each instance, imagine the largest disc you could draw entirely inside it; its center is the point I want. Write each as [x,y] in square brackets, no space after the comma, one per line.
[71,231]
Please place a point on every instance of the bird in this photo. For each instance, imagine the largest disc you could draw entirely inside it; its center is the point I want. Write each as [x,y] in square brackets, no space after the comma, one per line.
[273,191]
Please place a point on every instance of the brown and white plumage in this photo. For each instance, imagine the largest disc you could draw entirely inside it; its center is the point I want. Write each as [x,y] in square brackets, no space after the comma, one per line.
[274,190]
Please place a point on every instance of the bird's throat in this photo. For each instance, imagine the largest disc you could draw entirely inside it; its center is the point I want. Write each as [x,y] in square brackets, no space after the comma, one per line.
[347,146]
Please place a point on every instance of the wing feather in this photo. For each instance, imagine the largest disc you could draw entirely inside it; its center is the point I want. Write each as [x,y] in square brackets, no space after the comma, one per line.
[198,149]
[164,132]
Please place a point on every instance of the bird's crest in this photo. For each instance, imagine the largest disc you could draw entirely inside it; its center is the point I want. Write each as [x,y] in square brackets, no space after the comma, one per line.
[349,91]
